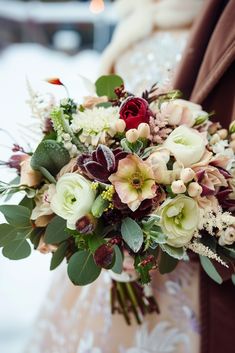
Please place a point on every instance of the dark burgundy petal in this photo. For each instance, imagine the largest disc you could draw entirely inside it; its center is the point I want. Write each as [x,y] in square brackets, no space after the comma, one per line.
[105,157]
[225,173]
[207,191]
[200,174]
[93,156]
[97,171]
[223,194]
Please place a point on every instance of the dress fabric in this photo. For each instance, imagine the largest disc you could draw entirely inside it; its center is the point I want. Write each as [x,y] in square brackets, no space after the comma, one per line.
[78,320]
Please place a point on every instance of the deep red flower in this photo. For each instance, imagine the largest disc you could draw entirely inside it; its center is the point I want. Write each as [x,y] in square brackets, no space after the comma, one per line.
[135,111]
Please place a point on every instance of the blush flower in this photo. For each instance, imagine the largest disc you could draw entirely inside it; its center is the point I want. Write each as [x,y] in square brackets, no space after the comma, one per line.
[133,181]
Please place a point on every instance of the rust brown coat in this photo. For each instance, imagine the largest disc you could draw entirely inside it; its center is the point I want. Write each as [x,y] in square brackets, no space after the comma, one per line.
[207,72]
[207,76]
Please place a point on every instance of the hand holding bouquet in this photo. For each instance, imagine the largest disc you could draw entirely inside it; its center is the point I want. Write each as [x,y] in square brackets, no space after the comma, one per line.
[127,184]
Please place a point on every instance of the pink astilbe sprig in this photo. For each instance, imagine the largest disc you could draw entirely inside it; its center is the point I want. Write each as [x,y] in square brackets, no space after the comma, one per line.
[159,131]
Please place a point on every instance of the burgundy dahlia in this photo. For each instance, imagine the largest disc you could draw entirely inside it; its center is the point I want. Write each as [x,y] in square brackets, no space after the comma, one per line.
[135,111]
[101,163]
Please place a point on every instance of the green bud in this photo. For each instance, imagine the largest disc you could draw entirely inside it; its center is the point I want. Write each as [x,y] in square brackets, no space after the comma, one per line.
[232,127]
[99,206]
[201,119]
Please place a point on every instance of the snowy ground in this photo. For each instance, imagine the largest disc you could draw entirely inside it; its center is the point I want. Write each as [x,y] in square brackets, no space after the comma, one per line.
[24,284]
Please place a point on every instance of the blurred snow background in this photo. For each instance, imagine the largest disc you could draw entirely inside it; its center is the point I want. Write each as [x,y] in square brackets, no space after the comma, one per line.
[24,284]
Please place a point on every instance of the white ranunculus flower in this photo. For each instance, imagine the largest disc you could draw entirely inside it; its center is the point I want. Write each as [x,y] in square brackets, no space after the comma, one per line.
[179,219]
[187,145]
[73,198]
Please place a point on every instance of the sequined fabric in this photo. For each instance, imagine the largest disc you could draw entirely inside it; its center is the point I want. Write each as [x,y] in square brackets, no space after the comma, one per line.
[152,60]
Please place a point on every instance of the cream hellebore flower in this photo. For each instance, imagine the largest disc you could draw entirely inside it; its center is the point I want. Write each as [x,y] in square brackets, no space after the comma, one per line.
[182,112]
[96,124]
[42,211]
[73,198]
[133,181]
[187,145]
[179,219]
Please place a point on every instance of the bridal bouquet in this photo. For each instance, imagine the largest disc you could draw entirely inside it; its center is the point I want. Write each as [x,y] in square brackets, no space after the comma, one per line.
[127,184]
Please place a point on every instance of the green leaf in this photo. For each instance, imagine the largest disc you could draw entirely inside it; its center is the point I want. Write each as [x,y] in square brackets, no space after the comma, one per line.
[35,236]
[167,263]
[58,255]
[105,85]
[7,233]
[233,279]
[16,215]
[94,241]
[132,234]
[210,269]
[82,269]
[143,270]
[51,156]
[17,249]
[157,236]
[177,253]
[229,251]
[118,264]
[27,202]
[55,231]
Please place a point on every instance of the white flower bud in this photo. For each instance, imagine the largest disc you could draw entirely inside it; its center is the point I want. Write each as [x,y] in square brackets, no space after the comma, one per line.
[194,189]
[223,133]
[68,145]
[215,138]
[132,135]
[233,136]
[144,130]
[120,125]
[227,237]
[66,137]
[187,175]
[178,187]
[232,145]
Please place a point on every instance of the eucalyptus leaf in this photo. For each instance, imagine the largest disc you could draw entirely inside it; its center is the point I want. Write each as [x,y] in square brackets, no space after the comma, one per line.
[55,231]
[35,236]
[27,202]
[82,268]
[7,233]
[210,269]
[17,249]
[94,241]
[105,85]
[16,215]
[51,156]
[118,264]
[59,255]
[167,263]
[132,234]
[177,253]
